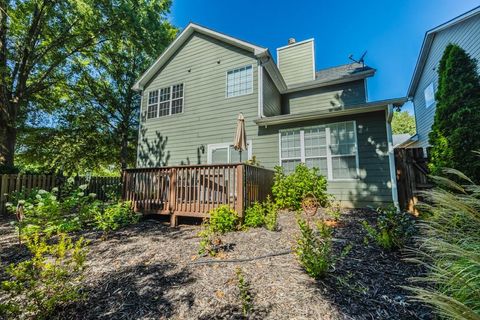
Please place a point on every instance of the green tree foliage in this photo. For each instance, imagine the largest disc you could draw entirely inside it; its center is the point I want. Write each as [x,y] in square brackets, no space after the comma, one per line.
[403,122]
[76,60]
[456,128]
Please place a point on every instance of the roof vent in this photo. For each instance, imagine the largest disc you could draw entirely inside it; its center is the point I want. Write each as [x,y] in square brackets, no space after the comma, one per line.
[291,41]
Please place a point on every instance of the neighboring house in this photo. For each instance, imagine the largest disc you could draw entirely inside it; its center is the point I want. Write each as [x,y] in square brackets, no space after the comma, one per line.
[193,93]
[399,139]
[464,31]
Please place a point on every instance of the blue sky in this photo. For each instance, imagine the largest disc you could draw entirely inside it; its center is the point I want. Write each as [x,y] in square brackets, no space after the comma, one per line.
[391,31]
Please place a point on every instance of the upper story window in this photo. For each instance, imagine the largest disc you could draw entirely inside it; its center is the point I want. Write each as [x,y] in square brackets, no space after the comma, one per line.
[429,94]
[165,102]
[240,81]
[331,148]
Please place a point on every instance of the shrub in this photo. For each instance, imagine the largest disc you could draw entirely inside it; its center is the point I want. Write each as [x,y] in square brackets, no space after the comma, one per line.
[289,190]
[46,281]
[314,248]
[333,210]
[449,246]
[254,216]
[115,216]
[271,215]
[223,219]
[244,292]
[392,228]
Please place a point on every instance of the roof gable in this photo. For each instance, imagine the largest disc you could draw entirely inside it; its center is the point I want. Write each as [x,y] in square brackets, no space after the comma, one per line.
[181,39]
[427,44]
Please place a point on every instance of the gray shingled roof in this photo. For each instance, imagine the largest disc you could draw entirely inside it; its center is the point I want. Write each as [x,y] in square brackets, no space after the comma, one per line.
[339,72]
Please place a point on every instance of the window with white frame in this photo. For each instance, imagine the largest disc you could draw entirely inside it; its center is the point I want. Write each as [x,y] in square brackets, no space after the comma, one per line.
[331,148]
[240,81]
[152,107]
[165,102]
[429,94]
[225,153]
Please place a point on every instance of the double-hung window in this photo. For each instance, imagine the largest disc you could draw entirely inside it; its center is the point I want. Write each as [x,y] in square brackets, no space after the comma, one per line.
[240,81]
[429,94]
[331,148]
[166,101]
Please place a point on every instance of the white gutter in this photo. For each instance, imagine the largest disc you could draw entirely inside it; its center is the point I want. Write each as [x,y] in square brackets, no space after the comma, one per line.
[391,157]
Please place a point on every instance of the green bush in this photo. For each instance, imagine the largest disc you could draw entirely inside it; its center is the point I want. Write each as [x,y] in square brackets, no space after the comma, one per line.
[314,248]
[50,279]
[392,228]
[244,292]
[271,215]
[289,190]
[254,216]
[115,216]
[222,219]
[449,247]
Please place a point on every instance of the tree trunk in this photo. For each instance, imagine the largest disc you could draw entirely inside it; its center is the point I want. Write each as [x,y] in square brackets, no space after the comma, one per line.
[124,148]
[8,134]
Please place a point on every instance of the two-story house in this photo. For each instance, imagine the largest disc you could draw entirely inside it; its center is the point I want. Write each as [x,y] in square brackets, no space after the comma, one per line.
[464,31]
[193,93]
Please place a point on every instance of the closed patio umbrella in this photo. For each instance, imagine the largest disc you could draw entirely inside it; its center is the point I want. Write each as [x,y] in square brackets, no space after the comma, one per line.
[240,142]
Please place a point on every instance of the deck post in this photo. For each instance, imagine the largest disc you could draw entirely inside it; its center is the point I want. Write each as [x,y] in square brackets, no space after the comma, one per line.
[172,199]
[239,204]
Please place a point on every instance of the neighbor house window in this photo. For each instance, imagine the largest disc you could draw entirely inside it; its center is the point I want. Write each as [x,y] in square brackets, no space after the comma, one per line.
[240,81]
[225,153]
[166,101]
[331,148]
[429,93]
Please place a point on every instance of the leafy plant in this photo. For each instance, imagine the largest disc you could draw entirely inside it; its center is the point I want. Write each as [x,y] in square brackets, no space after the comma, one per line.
[222,219]
[449,247]
[271,214]
[254,216]
[333,210]
[244,293]
[314,248]
[392,228]
[289,190]
[115,216]
[46,281]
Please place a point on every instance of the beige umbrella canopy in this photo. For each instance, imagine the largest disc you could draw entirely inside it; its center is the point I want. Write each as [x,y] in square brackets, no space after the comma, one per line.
[240,142]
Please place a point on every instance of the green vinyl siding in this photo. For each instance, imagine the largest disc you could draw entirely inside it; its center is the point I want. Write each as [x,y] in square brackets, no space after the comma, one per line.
[208,117]
[373,185]
[332,98]
[466,34]
[296,62]
[271,97]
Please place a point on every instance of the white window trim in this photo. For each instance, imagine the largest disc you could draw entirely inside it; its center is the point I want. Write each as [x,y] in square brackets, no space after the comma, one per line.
[329,155]
[226,82]
[213,146]
[170,100]
[157,104]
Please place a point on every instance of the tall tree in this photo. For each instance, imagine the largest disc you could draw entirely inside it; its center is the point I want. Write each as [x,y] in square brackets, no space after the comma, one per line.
[455,132]
[403,122]
[108,73]
[38,38]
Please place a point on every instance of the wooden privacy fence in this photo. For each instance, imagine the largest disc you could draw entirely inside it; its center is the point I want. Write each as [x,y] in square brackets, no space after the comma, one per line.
[195,190]
[10,183]
[412,177]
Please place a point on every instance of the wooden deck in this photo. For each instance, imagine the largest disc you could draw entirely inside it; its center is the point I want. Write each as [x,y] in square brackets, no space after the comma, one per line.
[193,191]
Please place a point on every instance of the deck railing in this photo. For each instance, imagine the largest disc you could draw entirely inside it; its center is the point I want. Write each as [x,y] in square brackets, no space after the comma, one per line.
[195,190]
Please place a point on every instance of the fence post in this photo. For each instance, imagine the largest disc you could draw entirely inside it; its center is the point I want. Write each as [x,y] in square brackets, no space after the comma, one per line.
[240,203]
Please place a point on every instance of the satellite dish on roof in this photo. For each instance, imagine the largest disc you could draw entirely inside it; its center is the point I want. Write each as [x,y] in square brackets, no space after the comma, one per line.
[361,60]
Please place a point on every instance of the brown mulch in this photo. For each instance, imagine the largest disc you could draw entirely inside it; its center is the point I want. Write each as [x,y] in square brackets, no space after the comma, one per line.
[152,271]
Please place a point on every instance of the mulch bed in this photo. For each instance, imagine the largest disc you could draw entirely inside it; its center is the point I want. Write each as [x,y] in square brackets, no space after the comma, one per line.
[152,271]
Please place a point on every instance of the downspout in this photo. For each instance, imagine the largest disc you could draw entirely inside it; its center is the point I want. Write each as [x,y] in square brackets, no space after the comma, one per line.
[391,157]
[137,164]
[260,89]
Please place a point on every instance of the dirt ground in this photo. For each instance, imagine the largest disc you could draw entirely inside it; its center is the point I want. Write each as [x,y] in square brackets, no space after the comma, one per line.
[152,271]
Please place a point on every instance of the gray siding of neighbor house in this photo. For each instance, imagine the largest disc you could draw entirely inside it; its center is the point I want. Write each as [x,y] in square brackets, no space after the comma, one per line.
[332,98]
[466,34]
[296,62]
[209,116]
[272,101]
[373,185]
